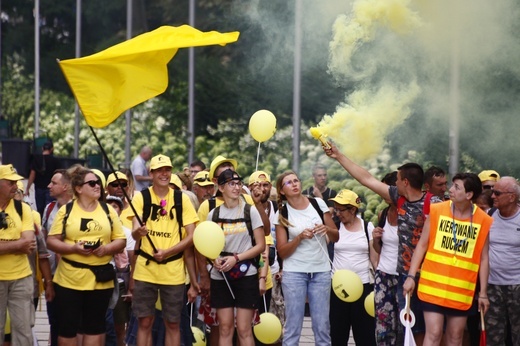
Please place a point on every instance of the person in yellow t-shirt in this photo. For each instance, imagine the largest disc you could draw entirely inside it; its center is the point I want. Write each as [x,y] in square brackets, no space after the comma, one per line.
[164,249]
[89,238]
[17,241]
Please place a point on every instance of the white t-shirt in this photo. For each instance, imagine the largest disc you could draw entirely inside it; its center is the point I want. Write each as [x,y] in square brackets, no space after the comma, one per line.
[351,251]
[389,250]
[311,255]
[237,235]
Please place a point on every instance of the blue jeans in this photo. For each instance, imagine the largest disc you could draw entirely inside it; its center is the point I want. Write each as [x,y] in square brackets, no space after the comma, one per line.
[296,288]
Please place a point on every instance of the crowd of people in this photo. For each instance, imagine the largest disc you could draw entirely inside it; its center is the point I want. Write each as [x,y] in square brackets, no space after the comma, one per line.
[115,255]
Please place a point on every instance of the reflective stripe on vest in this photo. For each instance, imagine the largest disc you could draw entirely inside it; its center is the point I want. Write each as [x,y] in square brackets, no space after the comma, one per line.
[449,273]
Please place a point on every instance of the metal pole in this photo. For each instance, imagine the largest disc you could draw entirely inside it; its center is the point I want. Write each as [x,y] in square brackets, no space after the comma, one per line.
[78,54]
[297,85]
[128,113]
[191,91]
[36,68]
[1,90]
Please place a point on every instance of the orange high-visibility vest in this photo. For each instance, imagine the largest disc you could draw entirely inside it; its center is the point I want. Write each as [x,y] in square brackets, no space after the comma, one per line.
[450,269]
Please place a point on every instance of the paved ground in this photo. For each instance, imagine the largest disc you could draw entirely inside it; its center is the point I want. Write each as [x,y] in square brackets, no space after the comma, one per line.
[41,328]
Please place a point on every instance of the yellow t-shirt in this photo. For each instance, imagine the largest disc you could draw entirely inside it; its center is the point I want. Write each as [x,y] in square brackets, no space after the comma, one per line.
[269,277]
[15,266]
[126,217]
[88,227]
[164,232]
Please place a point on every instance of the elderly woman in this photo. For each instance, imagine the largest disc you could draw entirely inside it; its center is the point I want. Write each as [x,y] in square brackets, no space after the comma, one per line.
[454,245]
[352,251]
[303,229]
[86,233]
[238,264]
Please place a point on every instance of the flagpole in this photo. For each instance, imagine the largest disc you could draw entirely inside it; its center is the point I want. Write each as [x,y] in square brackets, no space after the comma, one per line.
[128,113]
[191,91]
[297,85]
[36,68]
[77,54]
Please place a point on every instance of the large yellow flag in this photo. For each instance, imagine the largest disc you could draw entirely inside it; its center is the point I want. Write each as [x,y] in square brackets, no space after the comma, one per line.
[108,83]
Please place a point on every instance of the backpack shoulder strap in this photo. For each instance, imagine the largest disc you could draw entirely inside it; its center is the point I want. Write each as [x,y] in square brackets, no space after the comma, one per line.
[147,204]
[212,203]
[491,211]
[177,199]
[105,208]
[275,206]
[427,201]
[68,208]
[382,218]
[19,208]
[316,206]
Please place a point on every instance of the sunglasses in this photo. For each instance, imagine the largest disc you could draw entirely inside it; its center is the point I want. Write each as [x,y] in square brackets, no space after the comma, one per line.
[201,180]
[116,184]
[92,183]
[487,187]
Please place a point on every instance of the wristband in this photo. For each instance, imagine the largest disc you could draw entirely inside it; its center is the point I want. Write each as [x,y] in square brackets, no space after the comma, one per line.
[482,297]
[262,277]
[411,276]
[236,257]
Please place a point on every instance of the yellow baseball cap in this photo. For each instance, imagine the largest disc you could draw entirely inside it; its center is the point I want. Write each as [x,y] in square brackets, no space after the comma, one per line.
[8,172]
[347,197]
[217,161]
[159,161]
[202,179]
[259,176]
[175,180]
[489,175]
[112,177]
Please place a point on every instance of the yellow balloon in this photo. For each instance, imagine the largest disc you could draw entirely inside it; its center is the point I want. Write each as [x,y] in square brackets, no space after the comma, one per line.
[262,125]
[209,239]
[200,338]
[269,330]
[347,285]
[369,304]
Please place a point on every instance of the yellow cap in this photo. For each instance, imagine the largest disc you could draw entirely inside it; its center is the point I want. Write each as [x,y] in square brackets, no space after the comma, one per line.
[488,175]
[259,176]
[8,172]
[112,177]
[159,161]
[217,162]
[347,197]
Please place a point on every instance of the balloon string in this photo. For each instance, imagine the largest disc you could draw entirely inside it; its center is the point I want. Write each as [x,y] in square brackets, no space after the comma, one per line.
[230,290]
[326,253]
[265,304]
[257,156]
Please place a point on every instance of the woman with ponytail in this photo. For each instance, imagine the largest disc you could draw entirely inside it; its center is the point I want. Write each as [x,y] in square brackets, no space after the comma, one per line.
[303,229]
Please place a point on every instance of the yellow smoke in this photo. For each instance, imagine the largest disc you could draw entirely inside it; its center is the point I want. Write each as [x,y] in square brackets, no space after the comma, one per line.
[360,125]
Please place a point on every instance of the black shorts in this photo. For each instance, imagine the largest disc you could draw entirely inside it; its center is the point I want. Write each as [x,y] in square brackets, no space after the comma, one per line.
[245,290]
[449,311]
[81,312]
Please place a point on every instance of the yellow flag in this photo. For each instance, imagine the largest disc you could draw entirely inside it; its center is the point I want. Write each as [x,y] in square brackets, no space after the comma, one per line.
[108,83]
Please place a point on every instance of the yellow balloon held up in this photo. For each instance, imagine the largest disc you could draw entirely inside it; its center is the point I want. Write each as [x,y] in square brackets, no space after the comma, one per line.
[200,338]
[269,330]
[262,125]
[209,239]
[369,304]
[347,285]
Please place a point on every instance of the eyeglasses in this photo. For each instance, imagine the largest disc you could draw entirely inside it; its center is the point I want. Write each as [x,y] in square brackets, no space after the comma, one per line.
[116,184]
[487,187]
[92,183]
[337,210]
[291,182]
[162,204]
[234,183]
[498,193]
